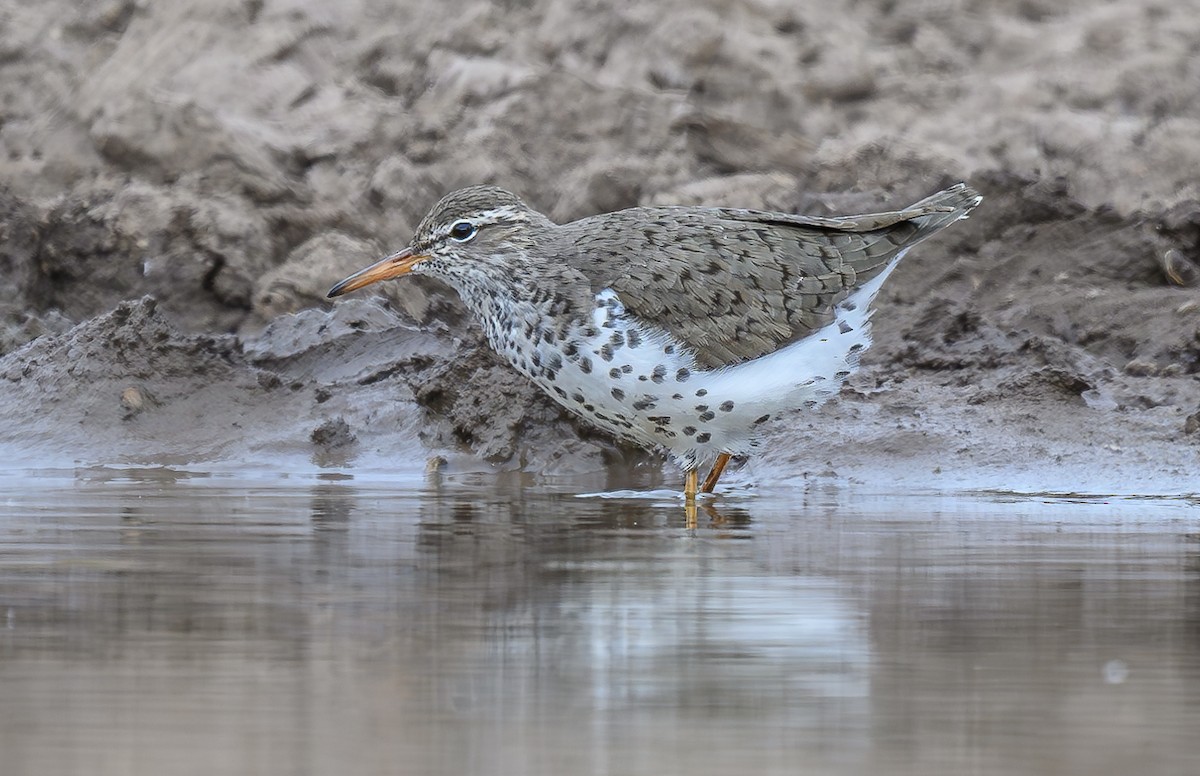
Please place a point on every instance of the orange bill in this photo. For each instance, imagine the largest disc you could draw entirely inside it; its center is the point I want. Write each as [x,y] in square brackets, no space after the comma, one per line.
[385,269]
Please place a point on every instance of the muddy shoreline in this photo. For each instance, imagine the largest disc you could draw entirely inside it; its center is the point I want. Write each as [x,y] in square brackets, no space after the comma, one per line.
[179,186]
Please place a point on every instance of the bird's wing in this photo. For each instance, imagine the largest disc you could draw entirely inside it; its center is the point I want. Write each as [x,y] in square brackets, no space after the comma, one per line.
[734,285]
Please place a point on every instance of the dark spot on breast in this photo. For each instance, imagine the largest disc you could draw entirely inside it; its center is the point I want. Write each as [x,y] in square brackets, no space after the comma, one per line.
[677,396]
[561,393]
[707,416]
[660,372]
[626,368]
[590,407]
[844,327]
[617,339]
[703,438]
[633,339]
[726,406]
[669,349]
[702,393]
[585,365]
[682,375]
[762,420]
[646,403]
[553,360]
[689,430]
[571,348]
[618,394]
[614,373]
[577,398]
[857,346]
[701,408]
[535,358]
[842,375]
[606,352]
[663,420]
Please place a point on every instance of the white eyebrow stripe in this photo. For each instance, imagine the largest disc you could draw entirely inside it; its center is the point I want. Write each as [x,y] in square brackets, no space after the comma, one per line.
[483,218]
[506,213]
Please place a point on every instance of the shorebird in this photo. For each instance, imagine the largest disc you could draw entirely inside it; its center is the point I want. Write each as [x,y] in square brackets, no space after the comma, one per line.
[682,329]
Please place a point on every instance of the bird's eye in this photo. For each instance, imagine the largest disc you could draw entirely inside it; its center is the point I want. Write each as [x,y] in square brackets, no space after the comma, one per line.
[462,231]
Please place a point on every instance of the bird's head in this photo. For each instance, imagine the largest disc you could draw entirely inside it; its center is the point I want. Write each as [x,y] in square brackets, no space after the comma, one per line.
[477,231]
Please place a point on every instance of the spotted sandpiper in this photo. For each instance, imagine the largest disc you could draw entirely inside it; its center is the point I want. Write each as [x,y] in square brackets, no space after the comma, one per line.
[677,328]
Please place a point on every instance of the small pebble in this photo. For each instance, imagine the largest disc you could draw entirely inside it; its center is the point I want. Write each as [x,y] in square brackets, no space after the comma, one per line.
[1179,269]
[1139,368]
[133,401]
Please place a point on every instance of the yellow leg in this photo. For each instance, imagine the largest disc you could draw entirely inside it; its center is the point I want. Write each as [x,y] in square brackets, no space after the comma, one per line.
[710,481]
[690,478]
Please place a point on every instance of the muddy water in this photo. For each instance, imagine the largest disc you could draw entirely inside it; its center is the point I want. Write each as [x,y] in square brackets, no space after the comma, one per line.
[157,622]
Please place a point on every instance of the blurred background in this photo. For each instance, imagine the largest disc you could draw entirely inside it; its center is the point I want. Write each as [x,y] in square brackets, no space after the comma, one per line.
[212,153]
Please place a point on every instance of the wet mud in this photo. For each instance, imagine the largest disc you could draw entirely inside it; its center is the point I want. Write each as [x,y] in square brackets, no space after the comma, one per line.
[180,185]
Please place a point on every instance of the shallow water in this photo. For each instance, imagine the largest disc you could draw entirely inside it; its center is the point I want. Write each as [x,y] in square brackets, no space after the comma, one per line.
[162,622]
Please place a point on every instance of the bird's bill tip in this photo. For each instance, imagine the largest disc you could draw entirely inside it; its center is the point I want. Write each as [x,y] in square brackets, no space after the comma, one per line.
[385,269]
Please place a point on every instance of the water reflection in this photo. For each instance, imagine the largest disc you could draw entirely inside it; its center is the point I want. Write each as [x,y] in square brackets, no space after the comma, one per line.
[156,622]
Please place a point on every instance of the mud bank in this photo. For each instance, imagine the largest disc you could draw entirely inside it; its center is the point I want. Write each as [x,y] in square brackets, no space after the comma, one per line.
[180,185]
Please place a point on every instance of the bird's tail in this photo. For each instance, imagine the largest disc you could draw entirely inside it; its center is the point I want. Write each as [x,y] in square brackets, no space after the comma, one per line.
[875,240]
[938,211]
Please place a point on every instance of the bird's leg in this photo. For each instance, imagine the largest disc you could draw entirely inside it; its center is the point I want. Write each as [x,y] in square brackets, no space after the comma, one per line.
[690,478]
[710,481]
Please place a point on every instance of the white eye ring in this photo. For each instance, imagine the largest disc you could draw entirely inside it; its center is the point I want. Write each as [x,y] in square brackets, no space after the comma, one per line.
[463,231]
